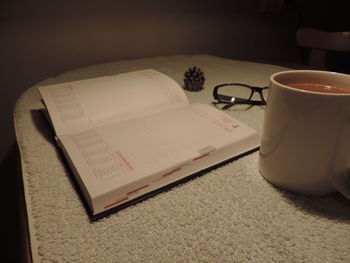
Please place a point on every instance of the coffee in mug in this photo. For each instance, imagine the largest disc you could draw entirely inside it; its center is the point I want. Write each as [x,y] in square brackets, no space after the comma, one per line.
[305,144]
[316,87]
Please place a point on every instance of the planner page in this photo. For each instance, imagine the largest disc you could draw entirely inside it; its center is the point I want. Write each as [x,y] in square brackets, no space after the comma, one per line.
[80,105]
[117,158]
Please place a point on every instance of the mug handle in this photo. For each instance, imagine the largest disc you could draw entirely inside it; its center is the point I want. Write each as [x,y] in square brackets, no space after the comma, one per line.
[341,183]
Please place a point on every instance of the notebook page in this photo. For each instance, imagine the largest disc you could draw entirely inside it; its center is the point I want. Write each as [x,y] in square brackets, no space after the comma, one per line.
[119,154]
[81,105]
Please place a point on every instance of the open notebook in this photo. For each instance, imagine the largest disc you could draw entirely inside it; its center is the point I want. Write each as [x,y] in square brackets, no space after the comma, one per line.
[132,135]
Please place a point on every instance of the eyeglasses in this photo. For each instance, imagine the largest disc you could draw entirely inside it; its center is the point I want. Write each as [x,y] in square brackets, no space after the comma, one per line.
[237,93]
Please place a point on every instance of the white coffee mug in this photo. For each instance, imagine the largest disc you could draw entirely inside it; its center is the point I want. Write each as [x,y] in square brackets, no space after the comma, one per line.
[305,144]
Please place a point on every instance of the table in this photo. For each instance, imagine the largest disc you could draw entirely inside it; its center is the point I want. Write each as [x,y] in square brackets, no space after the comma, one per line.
[230,214]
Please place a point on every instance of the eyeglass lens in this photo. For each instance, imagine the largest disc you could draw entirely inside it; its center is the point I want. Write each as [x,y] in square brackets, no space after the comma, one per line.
[235,91]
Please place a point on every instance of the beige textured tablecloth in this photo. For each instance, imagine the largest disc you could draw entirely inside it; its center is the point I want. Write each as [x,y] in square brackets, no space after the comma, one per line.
[230,214]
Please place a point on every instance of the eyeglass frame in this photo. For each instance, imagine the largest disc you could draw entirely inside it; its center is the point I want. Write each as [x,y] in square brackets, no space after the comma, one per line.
[237,100]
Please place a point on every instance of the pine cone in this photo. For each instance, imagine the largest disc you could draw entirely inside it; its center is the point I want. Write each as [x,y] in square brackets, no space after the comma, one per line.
[194,79]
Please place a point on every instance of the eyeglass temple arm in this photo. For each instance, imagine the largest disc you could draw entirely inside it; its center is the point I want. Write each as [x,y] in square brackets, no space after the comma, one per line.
[243,101]
[233,100]
[223,97]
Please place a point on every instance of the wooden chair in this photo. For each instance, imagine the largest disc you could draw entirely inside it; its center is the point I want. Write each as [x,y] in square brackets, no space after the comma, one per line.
[321,42]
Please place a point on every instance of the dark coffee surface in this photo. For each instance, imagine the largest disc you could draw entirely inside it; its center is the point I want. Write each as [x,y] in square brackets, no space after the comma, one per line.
[318,87]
